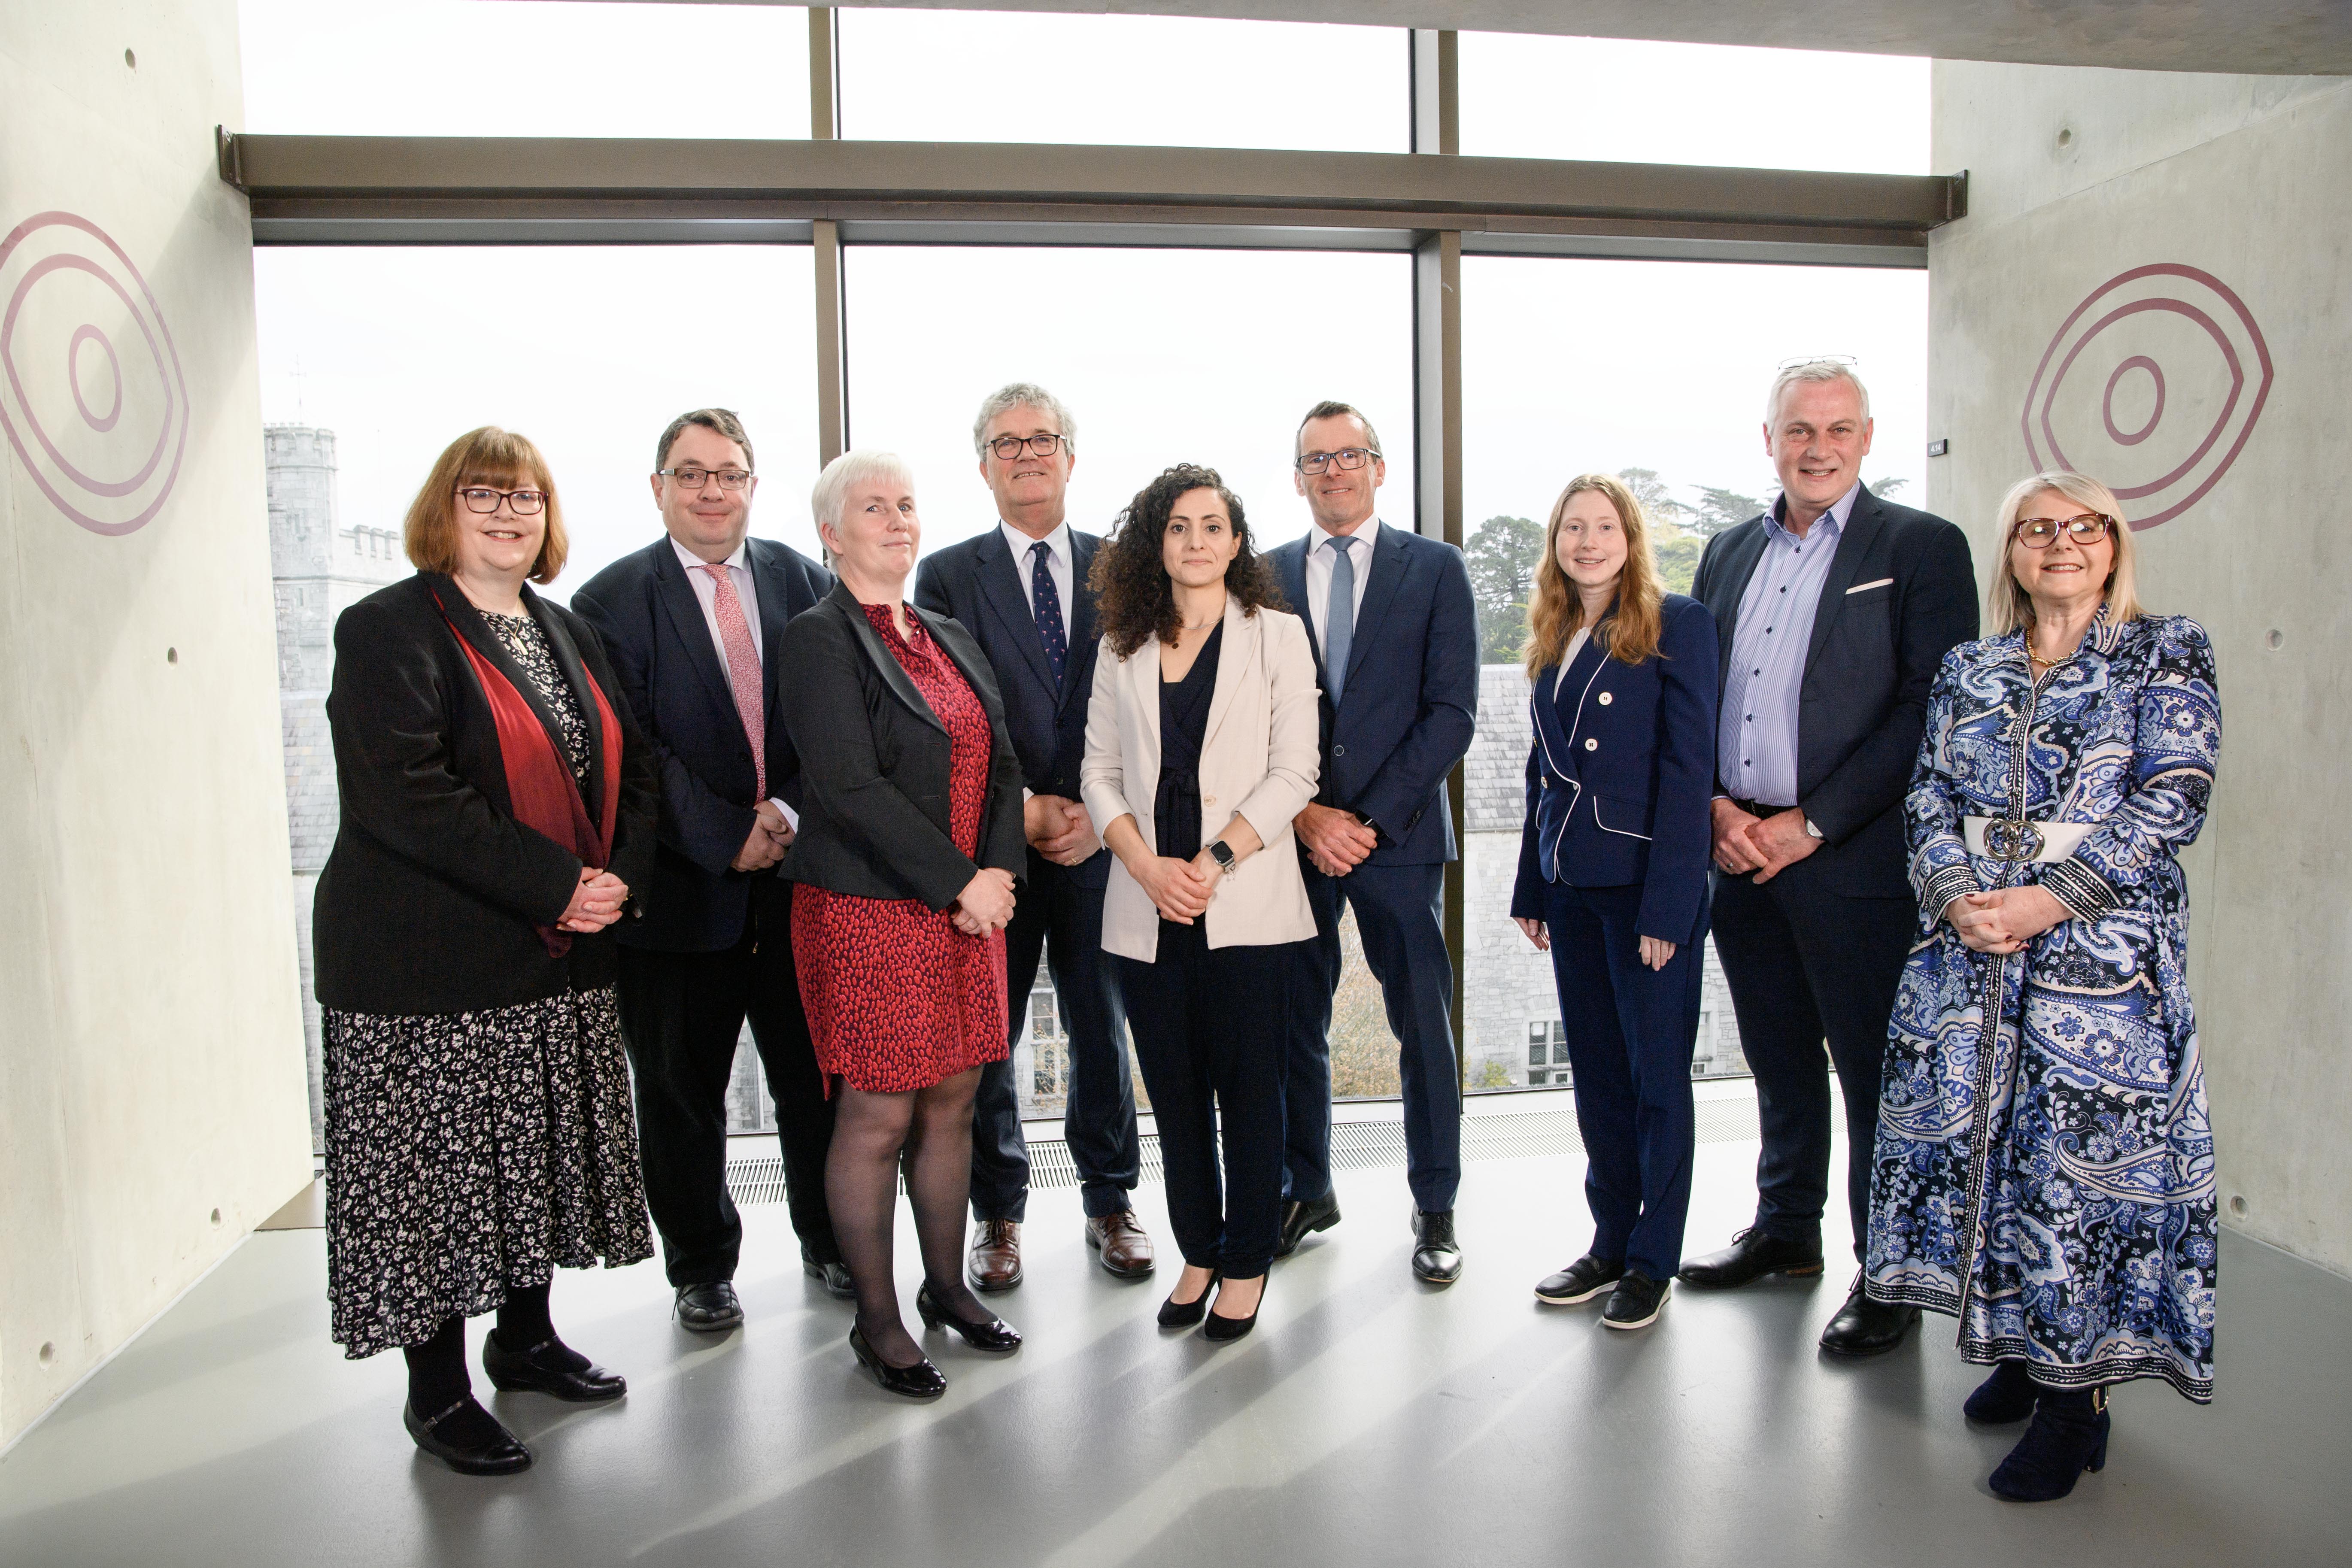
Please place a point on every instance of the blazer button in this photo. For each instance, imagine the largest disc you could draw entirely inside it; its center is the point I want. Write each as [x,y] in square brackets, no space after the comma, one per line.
[1606,700]
[1208,800]
[1592,745]
[1339,751]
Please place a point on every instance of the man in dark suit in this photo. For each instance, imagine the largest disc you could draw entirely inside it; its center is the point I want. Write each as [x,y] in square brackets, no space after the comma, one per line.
[1836,610]
[1021,589]
[1395,631]
[692,623]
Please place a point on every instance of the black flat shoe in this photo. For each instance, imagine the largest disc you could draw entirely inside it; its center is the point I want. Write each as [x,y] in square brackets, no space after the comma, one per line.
[1863,1327]
[502,1453]
[2006,1397]
[2068,1438]
[1579,1282]
[1636,1302]
[920,1380]
[1175,1314]
[1222,1329]
[1300,1220]
[832,1276]
[710,1309]
[1750,1257]
[992,1334]
[546,1368]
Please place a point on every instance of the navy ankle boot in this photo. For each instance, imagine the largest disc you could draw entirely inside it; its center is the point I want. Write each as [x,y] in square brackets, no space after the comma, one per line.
[2069,1436]
[2006,1397]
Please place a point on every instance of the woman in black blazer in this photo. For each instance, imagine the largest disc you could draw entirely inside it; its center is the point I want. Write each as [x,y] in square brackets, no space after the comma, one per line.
[497,805]
[910,839]
[1612,875]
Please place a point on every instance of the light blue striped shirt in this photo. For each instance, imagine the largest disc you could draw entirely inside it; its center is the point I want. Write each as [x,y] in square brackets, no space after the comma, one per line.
[1756,743]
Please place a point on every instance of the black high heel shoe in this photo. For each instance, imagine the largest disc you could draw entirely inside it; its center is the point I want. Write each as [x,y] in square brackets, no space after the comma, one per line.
[1175,1314]
[920,1380]
[992,1334]
[2068,1438]
[2006,1397]
[500,1454]
[1221,1330]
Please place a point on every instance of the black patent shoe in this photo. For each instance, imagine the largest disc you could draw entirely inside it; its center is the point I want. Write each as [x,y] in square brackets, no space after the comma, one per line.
[832,1276]
[992,1334]
[1301,1220]
[1175,1314]
[710,1309]
[2006,1397]
[499,1455]
[1579,1282]
[1752,1255]
[1222,1329]
[2068,1438]
[920,1380]
[547,1368]
[1863,1327]
[1436,1256]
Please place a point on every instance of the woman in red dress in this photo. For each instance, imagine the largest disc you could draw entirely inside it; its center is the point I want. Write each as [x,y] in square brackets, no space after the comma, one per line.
[909,846]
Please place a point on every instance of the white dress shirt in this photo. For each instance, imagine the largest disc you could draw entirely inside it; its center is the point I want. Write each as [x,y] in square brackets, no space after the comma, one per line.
[1060,565]
[1319,561]
[706,594]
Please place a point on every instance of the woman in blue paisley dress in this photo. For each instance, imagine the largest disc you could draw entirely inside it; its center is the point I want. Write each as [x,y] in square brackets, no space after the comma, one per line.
[2045,1163]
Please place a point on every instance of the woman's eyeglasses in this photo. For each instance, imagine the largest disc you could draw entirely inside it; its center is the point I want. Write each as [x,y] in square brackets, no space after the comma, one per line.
[484,499]
[2042,532]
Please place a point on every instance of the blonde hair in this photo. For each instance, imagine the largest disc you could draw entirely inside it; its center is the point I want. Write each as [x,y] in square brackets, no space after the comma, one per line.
[2006,606]
[488,456]
[1629,634]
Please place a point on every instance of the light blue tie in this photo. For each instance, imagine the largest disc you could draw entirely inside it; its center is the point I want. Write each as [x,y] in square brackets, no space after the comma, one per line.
[1340,619]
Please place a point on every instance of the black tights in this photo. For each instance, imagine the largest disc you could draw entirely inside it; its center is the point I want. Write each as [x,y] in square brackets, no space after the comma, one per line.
[437,1378]
[932,1129]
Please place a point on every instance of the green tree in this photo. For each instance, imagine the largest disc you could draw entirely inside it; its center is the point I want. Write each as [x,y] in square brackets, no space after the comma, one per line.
[1658,503]
[1677,551]
[1882,488]
[1501,556]
[1719,509]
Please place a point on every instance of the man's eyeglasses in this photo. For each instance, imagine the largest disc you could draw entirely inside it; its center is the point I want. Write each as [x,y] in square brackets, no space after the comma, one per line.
[694,478]
[2042,532]
[1008,448]
[484,499]
[1349,459]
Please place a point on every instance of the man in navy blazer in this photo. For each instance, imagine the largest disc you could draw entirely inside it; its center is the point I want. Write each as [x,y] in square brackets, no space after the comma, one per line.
[1395,632]
[692,623]
[1021,589]
[1834,610]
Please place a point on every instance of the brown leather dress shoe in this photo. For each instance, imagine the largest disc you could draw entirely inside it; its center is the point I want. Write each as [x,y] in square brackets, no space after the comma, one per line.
[995,1260]
[1126,1248]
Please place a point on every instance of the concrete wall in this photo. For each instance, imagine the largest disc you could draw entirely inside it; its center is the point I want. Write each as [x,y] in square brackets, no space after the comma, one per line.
[151,1102]
[2244,187]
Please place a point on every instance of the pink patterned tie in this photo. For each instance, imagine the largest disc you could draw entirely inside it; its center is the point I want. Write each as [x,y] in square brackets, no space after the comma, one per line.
[742,672]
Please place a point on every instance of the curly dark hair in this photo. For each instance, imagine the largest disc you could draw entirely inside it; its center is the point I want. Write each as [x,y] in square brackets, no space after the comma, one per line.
[1134,597]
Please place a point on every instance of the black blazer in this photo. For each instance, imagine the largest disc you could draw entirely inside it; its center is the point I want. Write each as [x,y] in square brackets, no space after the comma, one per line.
[985,589]
[645,609]
[430,898]
[1901,594]
[874,758]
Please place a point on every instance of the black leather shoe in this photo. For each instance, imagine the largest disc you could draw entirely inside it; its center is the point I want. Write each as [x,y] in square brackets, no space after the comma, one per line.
[2006,1397]
[1581,1281]
[502,1453]
[2069,1436]
[710,1309]
[1222,1329]
[547,1368]
[1436,1256]
[1300,1220]
[832,1276]
[992,1334]
[920,1380]
[1175,1314]
[1636,1302]
[1752,1255]
[1863,1327]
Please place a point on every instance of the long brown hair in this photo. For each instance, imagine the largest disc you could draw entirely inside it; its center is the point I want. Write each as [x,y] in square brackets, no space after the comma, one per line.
[1134,598]
[488,456]
[1629,632]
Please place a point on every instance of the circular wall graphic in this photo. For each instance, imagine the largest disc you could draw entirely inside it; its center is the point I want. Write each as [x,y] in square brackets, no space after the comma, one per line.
[2152,387]
[91,394]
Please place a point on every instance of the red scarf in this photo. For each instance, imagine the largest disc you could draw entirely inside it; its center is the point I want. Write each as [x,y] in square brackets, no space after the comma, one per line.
[540,784]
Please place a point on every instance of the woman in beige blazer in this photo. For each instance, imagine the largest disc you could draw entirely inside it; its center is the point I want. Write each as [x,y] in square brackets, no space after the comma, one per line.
[1202,745]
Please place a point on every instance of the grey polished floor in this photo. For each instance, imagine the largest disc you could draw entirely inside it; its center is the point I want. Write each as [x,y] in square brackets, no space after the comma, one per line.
[1370,1420]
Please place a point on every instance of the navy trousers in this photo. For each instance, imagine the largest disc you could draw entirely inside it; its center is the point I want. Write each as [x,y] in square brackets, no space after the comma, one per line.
[1060,917]
[1807,963]
[1630,1031]
[1399,917]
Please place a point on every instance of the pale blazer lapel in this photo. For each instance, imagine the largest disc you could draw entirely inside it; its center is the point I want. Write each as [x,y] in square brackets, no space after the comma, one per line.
[1237,663]
[1142,772]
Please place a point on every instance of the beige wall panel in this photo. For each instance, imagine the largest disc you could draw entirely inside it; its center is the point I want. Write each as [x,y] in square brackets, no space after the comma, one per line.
[2251,184]
[150,1068]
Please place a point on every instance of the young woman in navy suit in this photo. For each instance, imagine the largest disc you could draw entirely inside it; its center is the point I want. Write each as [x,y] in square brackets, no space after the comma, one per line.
[1613,874]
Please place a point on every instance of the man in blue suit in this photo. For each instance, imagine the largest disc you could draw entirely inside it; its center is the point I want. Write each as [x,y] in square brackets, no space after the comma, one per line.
[1021,589]
[692,623]
[1395,632]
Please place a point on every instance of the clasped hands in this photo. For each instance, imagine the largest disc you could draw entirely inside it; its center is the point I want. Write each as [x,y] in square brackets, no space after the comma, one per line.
[771,836]
[1765,846]
[1337,841]
[985,904]
[2005,920]
[1059,829]
[596,903]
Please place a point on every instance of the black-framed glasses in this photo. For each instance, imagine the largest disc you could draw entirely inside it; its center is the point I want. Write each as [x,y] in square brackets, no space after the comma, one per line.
[2042,532]
[1349,459]
[694,478]
[1008,448]
[484,499]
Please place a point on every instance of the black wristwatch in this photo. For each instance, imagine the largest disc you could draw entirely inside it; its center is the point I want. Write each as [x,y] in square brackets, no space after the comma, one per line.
[1222,854]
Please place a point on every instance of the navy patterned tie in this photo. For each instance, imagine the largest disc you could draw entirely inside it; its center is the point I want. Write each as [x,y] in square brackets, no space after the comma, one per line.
[1047,600]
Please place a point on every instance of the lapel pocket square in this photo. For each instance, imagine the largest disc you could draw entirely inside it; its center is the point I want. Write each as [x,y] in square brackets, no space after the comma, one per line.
[1866,587]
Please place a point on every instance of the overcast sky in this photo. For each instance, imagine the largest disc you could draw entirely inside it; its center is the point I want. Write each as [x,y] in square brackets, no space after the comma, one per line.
[1163,355]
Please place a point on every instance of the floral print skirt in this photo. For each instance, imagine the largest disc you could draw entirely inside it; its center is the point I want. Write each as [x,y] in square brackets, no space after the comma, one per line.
[469,1154]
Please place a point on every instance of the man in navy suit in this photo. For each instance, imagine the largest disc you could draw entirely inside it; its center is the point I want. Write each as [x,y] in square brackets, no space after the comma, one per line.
[1395,631]
[1021,589]
[692,623]
[1834,610]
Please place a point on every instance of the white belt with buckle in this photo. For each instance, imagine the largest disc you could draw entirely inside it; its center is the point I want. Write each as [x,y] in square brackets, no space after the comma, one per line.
[2005,838]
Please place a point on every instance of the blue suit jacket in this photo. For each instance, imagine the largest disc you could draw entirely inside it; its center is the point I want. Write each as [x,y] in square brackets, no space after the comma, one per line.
[1620,774]
[979,584]
[643,609]
[1409,700]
